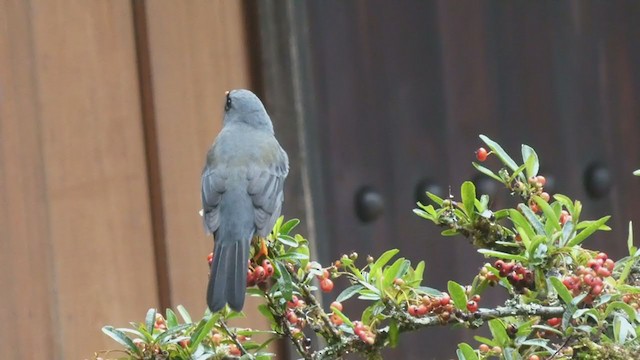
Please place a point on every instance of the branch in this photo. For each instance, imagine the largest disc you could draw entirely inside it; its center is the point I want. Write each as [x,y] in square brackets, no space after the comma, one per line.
[233,337]
[408,323]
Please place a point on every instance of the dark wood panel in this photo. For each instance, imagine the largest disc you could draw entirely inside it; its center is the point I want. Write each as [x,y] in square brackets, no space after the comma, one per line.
[401,91]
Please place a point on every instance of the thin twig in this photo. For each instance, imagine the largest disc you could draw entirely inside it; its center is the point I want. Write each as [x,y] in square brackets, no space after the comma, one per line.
[233,337]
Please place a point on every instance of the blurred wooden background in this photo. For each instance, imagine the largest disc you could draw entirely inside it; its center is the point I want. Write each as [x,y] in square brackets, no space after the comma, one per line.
[107,109]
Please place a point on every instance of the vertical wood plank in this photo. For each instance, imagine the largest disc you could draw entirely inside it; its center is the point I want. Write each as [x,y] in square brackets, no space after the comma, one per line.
[197,50]
[87,104]
[26,278]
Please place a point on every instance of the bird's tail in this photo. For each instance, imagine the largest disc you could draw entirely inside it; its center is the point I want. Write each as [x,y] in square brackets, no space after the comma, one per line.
[228,279]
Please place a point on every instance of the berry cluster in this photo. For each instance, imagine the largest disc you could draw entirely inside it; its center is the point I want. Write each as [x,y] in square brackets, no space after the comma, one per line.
[518,276]
[257,274]
[364,332]
[441,306]
[633,300]
[537,183]
[485,349]
[589,279]
[472,304]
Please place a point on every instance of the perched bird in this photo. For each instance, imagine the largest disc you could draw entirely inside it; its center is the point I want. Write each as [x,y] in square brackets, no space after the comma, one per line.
[242,193]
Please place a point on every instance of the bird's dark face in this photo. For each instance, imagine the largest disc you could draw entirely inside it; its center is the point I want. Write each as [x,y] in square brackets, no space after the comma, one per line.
[245,107]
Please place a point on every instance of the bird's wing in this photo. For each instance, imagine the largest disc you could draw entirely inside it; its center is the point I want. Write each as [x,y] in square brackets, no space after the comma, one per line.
[213,186]
[266,191]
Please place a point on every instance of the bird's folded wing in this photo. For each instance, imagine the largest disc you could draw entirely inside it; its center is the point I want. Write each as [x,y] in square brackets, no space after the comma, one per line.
[266,191]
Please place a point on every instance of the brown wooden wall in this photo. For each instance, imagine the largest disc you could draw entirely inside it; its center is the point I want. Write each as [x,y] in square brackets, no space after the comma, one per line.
[106,111]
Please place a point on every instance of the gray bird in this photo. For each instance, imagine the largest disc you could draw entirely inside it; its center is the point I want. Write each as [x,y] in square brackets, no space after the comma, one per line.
[242,193]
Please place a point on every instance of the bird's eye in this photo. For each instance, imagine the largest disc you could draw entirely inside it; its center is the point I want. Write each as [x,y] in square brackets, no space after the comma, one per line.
[227,105]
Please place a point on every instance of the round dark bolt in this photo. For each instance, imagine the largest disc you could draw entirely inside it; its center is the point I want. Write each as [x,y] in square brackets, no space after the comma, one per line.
[429,185]
[597,180]
[369,204]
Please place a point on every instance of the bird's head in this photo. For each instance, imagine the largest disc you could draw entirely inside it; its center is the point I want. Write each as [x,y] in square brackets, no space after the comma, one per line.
[243,106]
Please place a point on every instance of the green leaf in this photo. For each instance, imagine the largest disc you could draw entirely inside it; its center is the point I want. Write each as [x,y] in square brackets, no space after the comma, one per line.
[567,231]
[184,313]
[530,159]
[622,330]
[393,333]
[499,152]
[284,281]
[418,274]
[468,194]
[619,305]
[520,221]
[349,292]
[499,332]
[548,212]
[487,172]
[287,240]
[637,172]
[172,320]
[502,255]
[150,320]
[562,291]
[466,352]
[384,259]
[121,338]
[533,219]
[288,226]
[484,340]
[264,310]
[582,236]
[397,270]
[435,198]
[632,249]
[202,330]
[565,201]
[429,291]
[171,332]
[458,294]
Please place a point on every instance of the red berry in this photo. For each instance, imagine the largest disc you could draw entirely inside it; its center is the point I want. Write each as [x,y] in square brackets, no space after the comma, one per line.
[499,264]
[604,272]
[185,343]
[593,263]
[292,317]
[534,207]
[472,306]
[602,256]
[325,274]
[569,282]
[609,264]
[326,285]
[476,298]
[216,338]
[541,180]
[422,309]
[336,305]
[545,196]
[398,281]
[534,357]
[259,273]
[554,321]
[336,320]
[596,290]
[233,350]
[481,154]
[412,310]
[251,280]
[564,217]
[445,299]
[483,348]
[293,303]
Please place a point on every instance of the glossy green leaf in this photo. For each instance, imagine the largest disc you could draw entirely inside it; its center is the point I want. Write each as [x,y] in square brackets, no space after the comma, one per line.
[396,271]
[487,172]
[384,259]
[285,282]
[349,292]
[150,320]
[565,201]
[582,236]
[121,338]
[172,320]
[288,226]
[548,212]
[530,159]
[499,152]
[202,330]
[502,255]
[630,247]
[619,305]
[457,293]
[393,333]
[287,240]
[344,318]
[468,194]
[562,291]
[435,198]
[419,272]
[520,221]
[169,333]
[466,352]
[499,332]
[532,219]
[184,314]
